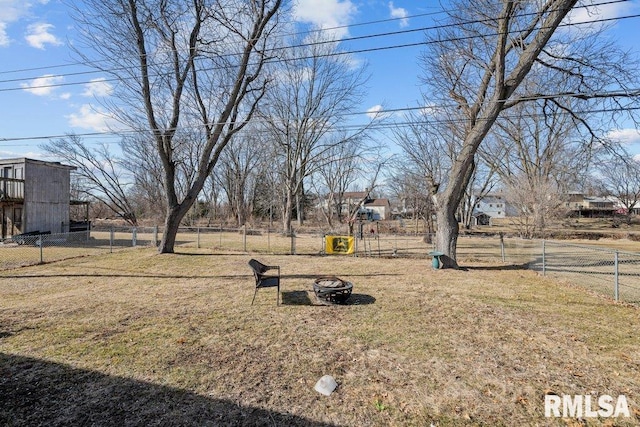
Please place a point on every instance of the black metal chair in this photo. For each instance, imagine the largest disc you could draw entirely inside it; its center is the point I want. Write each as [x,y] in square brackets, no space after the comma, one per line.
[263,280]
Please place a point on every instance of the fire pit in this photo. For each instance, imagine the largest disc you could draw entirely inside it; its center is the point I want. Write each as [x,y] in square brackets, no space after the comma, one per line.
[332,289]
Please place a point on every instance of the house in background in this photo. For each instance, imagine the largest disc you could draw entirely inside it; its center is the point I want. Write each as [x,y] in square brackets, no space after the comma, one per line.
[366,207]
[581,205]
[34,196]
[380,209]
[489,207]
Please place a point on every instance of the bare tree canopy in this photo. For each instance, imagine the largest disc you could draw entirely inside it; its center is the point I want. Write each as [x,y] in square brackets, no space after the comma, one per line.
[101,175]
[621,177]
[189,76]
[315,91]
[483,60]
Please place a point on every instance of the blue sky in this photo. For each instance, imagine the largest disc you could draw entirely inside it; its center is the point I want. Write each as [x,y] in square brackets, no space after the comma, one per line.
[34,46]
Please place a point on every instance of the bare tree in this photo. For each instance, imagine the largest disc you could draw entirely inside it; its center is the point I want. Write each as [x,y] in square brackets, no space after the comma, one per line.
[316,89]
[429,143]
[540,155]
[427,147]
[141,159]
[181,66]
[341,168]
[536,200]
[480,60]
[621,178]
[483,180]
[98,174]
[410,187]
[539,140]
[238,170]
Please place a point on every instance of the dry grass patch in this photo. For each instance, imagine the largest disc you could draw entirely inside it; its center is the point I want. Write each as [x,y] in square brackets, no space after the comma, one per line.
[139,338]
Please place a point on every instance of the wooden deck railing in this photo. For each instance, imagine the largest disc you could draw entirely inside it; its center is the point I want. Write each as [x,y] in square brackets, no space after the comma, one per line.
[11,189]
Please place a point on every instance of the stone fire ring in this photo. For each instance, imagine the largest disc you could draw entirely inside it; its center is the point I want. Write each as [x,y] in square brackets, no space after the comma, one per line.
[332,289]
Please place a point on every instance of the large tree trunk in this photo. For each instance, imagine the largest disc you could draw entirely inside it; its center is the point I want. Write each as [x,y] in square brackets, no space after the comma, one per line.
[287,214]
[507,64]
[171,224]
[447,202]
[447,231]
[300,210]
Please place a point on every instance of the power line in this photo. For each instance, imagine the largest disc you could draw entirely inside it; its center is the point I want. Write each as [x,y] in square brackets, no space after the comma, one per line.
[353,25]
[300,33]
[358,51]
[339,53]
[375,126]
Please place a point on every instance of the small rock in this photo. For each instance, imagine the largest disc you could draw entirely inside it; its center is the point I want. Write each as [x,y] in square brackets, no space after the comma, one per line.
[326,385]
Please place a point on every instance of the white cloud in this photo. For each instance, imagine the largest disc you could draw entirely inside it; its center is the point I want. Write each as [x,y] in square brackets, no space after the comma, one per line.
[374,111]
[43,86]
[38,35]
[377,112]
[97,87]
[10,11]
[625,136]
[326,14]
[430,109]
[19,154]
[4,37]
[597,10]
[89,117]
[399,12]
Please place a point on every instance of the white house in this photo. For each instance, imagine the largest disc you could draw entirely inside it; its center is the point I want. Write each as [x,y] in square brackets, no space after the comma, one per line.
[489,207]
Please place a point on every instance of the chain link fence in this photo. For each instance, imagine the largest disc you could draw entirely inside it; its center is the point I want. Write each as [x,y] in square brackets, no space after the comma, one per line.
[24,250]
[615,274]
[608,272]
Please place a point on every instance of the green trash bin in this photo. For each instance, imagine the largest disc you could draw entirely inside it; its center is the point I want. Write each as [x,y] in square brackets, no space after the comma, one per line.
[436,262]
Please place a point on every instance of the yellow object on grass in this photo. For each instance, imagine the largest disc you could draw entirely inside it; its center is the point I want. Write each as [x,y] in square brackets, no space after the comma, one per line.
[339,244]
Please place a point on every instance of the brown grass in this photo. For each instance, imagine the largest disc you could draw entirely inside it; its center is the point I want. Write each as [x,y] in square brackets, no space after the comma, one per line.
[135,338]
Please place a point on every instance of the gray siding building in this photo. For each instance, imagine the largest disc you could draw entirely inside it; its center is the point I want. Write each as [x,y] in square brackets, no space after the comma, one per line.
[34,196]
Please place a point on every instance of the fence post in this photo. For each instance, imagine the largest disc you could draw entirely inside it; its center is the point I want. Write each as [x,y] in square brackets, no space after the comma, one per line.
[355,246]
[41,240]
[134,236]
[155,236]
[268,239]
[244,237]
[293,242]
[198,244]
[111,240]
[502,246]
[544,265]
[616,287]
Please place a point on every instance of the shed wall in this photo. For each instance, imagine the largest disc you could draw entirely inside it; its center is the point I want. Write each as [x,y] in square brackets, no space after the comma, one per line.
[46,198]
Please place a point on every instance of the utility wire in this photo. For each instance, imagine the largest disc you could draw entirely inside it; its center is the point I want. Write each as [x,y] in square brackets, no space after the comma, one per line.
[329,29]
[317,30]
[375,126]
[334,54]
[364,37]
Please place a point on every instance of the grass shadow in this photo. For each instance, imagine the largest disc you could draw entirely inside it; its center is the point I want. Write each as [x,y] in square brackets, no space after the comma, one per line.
[360,299]
[309,298]
[296,298]
[505,267]
[39,392]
